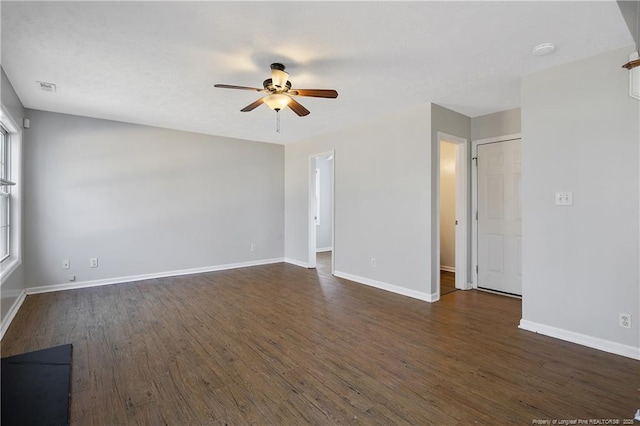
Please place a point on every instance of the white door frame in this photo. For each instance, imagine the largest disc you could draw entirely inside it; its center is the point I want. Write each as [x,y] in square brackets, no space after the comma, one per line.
[474,198]
[462,210]
[311,223]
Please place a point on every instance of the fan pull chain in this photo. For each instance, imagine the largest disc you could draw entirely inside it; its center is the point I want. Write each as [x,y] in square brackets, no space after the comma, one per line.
[278,120]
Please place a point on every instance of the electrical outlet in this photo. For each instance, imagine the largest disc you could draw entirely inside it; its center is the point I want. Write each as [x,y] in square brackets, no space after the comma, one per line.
[625,320]
[66,264]
[93,262]
[72,277]
[373,262]
[253,247]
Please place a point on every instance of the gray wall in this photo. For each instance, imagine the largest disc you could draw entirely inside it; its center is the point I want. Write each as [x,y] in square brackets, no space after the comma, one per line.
[10,100]
[450,122]
[12,285]
[324,231]
[580,263]
[496,124]
[382,199]
[145,200]
[629,10]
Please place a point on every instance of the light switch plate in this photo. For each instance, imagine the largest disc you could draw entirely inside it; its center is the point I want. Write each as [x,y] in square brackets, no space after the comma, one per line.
[564,198]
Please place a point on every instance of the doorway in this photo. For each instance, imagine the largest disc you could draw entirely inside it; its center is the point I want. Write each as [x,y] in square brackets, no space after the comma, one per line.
[321,212]
[498,226]
[452,214]
[448,221]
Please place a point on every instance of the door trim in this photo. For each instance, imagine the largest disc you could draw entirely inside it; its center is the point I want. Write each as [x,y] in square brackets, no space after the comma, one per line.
[474,198]
[462,211]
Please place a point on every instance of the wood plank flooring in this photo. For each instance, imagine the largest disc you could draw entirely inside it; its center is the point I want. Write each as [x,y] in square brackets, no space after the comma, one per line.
[447,282]
[280,344]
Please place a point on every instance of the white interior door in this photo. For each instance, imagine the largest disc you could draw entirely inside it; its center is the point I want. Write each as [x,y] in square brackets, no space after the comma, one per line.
[500,217]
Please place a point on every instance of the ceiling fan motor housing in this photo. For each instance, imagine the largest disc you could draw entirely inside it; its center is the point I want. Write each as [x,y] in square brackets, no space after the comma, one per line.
[279,77]
[268,84]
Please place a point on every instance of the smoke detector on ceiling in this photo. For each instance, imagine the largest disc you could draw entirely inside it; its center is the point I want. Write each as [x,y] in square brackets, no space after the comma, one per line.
[47,87]
[544,49]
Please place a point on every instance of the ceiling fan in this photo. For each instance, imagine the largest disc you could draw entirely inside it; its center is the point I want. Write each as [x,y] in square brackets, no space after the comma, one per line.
[279,94]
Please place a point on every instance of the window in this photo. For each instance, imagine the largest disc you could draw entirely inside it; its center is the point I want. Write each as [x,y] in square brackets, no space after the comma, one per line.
[5,195]
[10,194]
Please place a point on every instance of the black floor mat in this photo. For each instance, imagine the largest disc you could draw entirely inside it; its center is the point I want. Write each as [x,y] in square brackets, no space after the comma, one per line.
[36,387]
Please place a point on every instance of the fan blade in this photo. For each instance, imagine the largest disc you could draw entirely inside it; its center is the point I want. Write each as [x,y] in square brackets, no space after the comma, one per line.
[253,106]
[316,93]
[229,86]
[297,108]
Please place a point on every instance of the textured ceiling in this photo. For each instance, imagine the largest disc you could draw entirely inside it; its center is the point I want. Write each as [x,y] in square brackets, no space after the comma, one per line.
[155,63]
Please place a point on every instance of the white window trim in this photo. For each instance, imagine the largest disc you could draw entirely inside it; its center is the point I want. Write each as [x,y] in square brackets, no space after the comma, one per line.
[10,263]
[5,188]
[8,196]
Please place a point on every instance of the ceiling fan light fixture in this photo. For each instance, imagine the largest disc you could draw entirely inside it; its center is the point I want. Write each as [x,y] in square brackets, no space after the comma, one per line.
[279,76]
[277,101]
[278,94]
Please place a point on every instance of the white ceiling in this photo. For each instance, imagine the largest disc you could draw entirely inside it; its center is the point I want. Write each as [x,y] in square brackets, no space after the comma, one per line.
[155,63]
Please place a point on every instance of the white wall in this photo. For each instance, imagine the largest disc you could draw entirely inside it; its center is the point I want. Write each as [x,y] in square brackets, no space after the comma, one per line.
[145,200]
[497,124]
[448,205]
[11,286]
[324,231]
[382,200]
[580,263]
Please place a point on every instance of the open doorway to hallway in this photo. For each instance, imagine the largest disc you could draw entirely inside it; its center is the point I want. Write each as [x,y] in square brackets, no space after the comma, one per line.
[448,221]
[321,212]
[453,214]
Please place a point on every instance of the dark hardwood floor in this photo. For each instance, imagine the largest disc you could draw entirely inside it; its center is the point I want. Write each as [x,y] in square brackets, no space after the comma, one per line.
[280,344]
[323,262]
[447,282]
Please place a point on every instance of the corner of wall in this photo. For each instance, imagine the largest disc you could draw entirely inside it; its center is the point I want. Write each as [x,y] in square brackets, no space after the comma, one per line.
[580,269]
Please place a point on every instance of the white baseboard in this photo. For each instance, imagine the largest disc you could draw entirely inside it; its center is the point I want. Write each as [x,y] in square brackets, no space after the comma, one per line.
[132,278]
[12,312]
[324,249]
[296,262]
[582,339]
[448,268]
[388,287]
